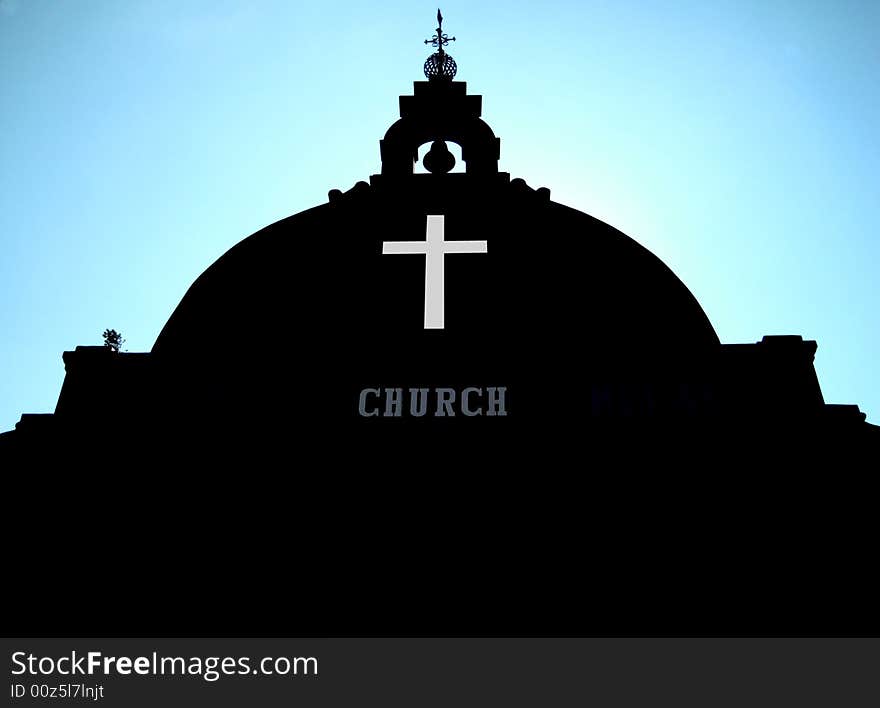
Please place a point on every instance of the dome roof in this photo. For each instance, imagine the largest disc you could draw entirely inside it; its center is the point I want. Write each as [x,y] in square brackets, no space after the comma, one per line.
[318,281]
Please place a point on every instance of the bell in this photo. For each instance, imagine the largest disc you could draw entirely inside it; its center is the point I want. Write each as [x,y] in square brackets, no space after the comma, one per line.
[439,160]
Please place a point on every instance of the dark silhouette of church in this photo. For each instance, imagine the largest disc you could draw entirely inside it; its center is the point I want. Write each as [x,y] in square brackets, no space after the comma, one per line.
[444,403]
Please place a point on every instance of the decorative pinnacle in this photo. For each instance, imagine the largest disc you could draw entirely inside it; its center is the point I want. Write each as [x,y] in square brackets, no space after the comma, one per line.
[440,65]
[441,40]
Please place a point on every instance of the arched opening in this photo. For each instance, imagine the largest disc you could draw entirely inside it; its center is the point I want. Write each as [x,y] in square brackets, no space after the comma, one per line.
[454,148]
[403,140]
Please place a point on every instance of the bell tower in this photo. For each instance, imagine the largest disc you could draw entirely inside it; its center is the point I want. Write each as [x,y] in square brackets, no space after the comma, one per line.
[440,110]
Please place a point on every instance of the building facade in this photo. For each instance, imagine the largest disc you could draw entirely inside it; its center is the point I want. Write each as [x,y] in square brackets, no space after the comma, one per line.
[495,413]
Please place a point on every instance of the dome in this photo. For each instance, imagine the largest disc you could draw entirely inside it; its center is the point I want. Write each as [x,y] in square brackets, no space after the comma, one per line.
[318,283]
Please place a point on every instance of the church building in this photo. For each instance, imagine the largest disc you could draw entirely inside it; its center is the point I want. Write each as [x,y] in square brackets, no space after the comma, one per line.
[518,405]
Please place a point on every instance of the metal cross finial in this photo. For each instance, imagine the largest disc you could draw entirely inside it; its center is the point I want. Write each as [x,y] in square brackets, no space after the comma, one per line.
[441,40]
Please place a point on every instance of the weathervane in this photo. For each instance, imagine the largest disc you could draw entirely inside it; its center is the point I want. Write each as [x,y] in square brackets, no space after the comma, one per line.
[440,65]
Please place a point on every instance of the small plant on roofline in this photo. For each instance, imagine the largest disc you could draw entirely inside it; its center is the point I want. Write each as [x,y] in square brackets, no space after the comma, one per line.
[113,340]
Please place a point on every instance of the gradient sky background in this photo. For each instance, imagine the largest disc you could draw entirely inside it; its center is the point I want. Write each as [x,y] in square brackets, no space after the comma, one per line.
[140,139]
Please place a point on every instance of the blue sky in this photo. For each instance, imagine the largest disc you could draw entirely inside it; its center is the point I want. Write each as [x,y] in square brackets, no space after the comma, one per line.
[141,139]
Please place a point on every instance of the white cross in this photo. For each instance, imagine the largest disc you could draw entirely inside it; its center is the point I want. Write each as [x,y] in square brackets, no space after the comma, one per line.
[434,248]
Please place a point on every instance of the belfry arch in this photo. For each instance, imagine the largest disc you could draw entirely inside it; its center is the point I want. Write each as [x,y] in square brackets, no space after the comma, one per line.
[440,111]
